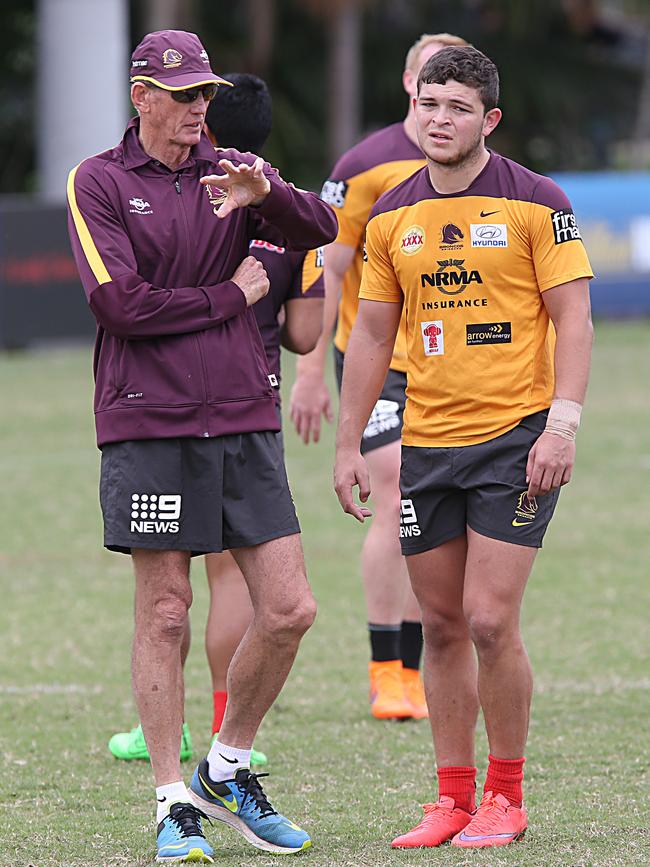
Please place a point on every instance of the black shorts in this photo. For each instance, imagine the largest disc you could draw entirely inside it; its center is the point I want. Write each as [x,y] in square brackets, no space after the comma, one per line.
[482,486]
[385,422]
[197,495]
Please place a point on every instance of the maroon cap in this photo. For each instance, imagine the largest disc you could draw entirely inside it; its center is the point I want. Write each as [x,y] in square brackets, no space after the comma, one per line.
[174,60]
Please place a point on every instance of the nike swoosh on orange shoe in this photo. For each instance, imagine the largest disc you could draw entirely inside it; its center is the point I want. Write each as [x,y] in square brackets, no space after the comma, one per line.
[466,838]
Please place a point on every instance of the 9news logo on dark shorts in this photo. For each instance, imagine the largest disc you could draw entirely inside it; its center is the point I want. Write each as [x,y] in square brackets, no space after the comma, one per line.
[194,494]
[482,486]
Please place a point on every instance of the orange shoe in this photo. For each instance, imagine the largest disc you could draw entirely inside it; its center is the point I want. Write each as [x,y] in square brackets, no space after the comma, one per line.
[387,698]
[495,823]
[441,822]
[414,691]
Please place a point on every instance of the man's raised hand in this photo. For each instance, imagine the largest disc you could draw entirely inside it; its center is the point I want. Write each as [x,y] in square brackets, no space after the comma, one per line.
[243,184]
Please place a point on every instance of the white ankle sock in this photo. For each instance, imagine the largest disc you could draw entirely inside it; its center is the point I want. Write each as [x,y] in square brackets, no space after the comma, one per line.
[169,794]
[225,761]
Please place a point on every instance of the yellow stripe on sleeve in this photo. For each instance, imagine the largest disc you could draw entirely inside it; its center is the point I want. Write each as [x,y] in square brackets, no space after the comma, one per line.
[88,245]
[312,268]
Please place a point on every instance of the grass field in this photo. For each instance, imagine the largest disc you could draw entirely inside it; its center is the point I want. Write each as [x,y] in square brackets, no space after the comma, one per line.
[65,626]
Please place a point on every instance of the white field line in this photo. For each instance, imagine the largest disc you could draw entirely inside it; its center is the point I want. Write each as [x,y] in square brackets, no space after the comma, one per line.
[50,689]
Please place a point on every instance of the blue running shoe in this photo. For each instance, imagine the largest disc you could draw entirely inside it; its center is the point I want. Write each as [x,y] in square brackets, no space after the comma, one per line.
[242,804]
[180,836]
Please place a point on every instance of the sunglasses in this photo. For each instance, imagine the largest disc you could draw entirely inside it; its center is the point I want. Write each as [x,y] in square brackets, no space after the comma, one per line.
[208,92]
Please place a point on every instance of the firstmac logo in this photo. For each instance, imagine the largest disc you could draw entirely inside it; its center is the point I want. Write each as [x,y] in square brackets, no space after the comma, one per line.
[157,513]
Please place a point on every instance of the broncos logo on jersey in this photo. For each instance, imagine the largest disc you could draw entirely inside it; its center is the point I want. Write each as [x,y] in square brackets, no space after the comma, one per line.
[451,234]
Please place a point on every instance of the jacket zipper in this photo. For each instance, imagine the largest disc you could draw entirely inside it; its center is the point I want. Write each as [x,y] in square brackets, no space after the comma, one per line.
[204,372]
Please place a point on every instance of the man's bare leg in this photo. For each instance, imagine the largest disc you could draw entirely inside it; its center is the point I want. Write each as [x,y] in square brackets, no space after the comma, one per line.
[229,617]
[412,610]
[450,679]
[283,610]
[385,577]
[162,599]
[495,579]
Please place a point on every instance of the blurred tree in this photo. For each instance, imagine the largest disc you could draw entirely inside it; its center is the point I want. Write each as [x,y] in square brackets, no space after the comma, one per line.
[343,21]
[170,15]
[18,126]
[261,18]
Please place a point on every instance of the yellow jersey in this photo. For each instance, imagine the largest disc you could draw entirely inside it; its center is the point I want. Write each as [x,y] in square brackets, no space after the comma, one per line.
[372,167]
[470,269]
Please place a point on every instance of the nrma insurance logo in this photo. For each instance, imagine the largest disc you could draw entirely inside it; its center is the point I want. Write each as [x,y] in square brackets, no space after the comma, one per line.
[139,206]
[155,513]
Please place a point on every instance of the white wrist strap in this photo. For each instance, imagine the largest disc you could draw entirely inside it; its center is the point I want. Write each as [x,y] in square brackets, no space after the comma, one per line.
[564,418]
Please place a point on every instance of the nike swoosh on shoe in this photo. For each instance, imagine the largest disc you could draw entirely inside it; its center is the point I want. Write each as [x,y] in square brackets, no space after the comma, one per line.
[467,837]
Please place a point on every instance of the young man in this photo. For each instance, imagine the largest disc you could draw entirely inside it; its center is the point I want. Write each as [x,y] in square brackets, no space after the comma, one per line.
[481,253]
[186,418]
[372,167]
[240,117]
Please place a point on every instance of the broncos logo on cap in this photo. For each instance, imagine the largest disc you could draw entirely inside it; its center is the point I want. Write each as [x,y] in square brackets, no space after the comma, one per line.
[171,58]
[451,234]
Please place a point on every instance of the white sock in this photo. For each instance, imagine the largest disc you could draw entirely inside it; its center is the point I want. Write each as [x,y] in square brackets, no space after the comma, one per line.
[225,761]
[170,794]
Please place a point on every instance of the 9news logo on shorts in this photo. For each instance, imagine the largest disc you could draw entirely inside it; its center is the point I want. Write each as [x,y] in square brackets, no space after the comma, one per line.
[157,513]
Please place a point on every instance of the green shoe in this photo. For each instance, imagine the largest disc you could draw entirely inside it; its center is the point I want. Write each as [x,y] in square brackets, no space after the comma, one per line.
[131,745]
[258,759]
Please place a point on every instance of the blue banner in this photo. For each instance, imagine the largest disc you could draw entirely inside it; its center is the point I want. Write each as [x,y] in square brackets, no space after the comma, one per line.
[613,213]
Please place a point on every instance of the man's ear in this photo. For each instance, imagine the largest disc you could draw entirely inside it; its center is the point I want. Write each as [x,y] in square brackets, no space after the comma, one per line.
[491,121]
[408,81]
[140,96]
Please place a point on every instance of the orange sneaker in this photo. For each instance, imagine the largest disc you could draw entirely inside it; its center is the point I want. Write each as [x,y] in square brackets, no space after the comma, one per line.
[414,690]
[441,822]
[387,698]
[495,823]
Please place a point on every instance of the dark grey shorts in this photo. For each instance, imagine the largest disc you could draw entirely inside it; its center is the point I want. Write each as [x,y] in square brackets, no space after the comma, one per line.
[385,422]
[198,495]
[482,486]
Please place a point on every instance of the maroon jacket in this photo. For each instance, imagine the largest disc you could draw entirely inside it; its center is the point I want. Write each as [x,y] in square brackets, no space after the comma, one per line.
[178,353]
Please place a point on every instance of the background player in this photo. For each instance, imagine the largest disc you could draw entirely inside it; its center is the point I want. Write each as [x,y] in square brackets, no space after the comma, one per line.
[489,427]
[372,167]
[240,117]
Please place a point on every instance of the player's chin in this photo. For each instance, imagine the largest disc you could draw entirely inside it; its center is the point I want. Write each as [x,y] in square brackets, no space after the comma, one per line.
[442,153]
[190,135]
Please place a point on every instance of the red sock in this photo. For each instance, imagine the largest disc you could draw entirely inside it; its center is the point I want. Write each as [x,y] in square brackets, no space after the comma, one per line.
[459,784]
[219,698]
[504,777]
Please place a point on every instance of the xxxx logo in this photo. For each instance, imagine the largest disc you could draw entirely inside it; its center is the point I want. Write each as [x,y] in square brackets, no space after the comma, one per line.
[525,510]
[412,240]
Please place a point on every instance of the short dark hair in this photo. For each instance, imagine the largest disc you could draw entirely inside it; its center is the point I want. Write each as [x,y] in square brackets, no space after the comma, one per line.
[466,65]
[240,117]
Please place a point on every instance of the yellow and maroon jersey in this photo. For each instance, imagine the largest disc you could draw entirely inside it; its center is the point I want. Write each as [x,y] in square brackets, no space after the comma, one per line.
[360,177]
[471,268]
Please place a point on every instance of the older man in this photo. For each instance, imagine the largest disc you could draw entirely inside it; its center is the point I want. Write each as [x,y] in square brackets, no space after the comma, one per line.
[185,416]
